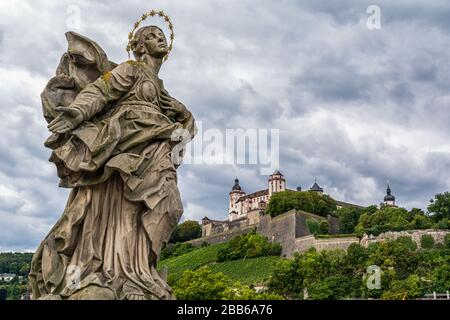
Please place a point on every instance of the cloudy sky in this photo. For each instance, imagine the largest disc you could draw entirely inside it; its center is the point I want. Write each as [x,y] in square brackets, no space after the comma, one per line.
[355,107]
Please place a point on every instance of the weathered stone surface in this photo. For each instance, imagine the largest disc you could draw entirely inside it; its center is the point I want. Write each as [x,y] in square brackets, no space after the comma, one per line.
[334,243]
[93,293]
[290,230]
[111,143]
[416,236]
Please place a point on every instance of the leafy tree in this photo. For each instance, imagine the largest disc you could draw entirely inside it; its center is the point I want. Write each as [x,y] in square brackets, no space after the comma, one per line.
[186,231]
[291,277]
[330,288]
[24,269]
[203,284]
[405,272]
[251,245]
[439,207]
[356,258]
[440,276]
[412,287]
[442,224]
[308,201]
[13,262]
[391,219]
[348,219]
[420,221]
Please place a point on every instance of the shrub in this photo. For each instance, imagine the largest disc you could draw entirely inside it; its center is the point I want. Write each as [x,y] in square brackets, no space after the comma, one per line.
[426,242]
[313,226]
[405,241]
[251,245]
[203,284]
[447,241]
[442,224]
[204,244]
[324,227]
[176,250]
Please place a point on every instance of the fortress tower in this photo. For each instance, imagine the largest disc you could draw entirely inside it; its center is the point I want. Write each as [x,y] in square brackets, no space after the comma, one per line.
[277,183]
[235,193]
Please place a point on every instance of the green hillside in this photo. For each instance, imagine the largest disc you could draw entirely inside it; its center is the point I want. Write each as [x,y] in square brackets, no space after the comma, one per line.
[247,271]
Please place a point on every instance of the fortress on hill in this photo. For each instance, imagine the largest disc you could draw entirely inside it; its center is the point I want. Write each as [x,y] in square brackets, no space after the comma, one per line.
[246,209]
[291,229]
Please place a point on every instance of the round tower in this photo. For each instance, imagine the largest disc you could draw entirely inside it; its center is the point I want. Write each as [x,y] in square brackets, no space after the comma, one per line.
[277,183]
[235,193]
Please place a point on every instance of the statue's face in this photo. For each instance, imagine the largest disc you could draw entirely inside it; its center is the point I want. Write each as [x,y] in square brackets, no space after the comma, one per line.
[155,43]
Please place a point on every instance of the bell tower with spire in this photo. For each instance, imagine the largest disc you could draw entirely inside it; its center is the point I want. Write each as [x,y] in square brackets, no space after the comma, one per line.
[235,193]
[389,199]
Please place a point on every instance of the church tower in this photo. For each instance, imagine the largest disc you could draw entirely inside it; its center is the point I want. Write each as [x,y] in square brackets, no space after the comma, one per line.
[277,183]
[389,199]
[235,193]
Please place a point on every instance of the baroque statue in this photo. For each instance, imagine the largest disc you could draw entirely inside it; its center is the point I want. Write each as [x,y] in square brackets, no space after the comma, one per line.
[114,131]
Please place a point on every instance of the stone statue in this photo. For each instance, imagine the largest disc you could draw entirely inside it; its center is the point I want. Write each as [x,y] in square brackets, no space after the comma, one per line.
[112,143]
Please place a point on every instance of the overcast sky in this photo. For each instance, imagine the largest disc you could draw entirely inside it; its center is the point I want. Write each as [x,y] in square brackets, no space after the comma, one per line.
[355,107]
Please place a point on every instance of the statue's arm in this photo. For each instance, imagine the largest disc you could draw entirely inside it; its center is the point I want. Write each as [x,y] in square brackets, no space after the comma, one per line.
[94,97]
[106,89]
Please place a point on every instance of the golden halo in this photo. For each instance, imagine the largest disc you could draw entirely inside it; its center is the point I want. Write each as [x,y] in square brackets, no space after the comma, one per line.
[145,16]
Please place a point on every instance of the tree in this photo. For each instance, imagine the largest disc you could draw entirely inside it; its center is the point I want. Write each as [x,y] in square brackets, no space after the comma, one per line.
[250,245]
[203,284]
[441,276]
[412,287]
[186,231]
[348,219]
[24,269]
[439,207]
[309,201]
[307,270]
[331,288]
[391,219]
[405,272]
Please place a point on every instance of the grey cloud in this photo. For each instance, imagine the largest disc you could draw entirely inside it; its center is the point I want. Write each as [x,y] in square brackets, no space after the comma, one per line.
[354,107]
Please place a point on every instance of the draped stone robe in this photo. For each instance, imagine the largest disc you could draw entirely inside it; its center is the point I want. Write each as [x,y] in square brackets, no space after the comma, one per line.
[124,201]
